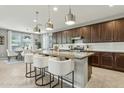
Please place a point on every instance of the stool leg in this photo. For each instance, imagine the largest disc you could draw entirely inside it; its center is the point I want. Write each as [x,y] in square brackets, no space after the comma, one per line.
[53,78]
[42,74]
[44,71]
[30,70]
[26,69]
[58,80]
[40,71]
[50,80]
[72,79]
[61,82]
[35,74]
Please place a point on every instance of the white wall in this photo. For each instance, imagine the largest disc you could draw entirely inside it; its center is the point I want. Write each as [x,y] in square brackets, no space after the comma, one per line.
[3,48]
[45,41]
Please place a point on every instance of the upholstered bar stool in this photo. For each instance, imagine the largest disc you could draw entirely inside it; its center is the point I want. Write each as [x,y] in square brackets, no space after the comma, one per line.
[28,59]
[41,62]
[61,69]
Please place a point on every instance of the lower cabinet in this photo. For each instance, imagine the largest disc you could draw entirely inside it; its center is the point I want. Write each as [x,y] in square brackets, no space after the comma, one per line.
[114,61]
[95,59]
[107,60]
[119,62]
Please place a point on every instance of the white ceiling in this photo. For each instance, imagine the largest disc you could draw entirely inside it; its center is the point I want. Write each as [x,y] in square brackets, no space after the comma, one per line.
[20,18]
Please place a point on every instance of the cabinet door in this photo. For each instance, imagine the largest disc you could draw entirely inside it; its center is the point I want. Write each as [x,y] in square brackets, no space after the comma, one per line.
[95,33]
[54,38]
[86,33]
[64,37]
[69,36]
[95,59]
[119,30]
[119,62]
[107,60]
[59,38]
[107,30]
[76,32]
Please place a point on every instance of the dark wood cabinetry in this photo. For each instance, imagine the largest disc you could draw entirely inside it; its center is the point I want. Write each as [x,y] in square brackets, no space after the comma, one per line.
[119,62]
[107,60]
[95,33]
[69,36]
[75,32]
[111,31]
[95,59]
[107,31]
[58,37]
[64,37]
[119,30]
[85,32]
[54,38]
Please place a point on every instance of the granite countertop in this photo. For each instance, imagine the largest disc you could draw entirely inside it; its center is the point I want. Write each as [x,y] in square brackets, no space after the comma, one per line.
[68,54]
[103,50]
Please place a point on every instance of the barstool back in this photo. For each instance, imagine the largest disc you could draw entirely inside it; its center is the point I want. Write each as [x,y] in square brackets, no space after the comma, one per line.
[28,58]
[40,61]
[60,68]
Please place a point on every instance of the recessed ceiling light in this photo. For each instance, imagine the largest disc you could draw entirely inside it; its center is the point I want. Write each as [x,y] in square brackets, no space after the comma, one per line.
[111,5]
[55,9]
[34,20]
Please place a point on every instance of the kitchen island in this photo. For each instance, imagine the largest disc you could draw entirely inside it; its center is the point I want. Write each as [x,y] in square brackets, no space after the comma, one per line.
[81,70]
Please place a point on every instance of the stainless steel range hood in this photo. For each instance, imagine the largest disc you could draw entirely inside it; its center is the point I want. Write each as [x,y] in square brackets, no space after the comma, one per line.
[77,38]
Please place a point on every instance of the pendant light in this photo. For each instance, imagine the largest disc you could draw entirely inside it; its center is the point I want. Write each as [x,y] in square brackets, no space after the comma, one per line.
[49,24]
[70,18]
[36,28]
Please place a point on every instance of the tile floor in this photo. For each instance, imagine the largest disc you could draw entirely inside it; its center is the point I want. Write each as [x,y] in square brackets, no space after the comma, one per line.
[12,75]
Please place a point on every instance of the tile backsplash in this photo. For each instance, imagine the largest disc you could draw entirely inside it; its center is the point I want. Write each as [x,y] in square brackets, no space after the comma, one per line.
[106,46]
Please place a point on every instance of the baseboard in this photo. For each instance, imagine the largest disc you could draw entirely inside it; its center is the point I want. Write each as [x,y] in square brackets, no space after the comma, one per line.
[3,58]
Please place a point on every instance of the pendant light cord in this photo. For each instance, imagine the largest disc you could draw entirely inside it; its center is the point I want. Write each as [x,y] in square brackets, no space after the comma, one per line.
[69,8]
[37,16]
[49,11]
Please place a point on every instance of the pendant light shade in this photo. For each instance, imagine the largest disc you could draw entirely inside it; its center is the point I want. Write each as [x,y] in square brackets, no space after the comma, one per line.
[69,18]
[49,24]
[36,29]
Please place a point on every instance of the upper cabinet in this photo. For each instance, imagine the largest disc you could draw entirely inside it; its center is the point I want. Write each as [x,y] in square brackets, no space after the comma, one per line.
[69,36]
[107,31]
[111,31]
[64,37]
[58,37]
[85,32]
[54,38]
[95,33]
[76,32]
[119,30]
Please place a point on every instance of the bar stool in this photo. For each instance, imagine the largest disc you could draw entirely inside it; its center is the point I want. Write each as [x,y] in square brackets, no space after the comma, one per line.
[41,62]
[28,59]
[61,69]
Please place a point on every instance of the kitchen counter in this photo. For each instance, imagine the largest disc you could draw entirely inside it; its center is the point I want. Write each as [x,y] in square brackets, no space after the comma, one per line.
[68,54]
[81,69]
[102,50]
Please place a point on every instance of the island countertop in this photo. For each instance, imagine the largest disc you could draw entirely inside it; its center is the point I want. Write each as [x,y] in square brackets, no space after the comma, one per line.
[67,54]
